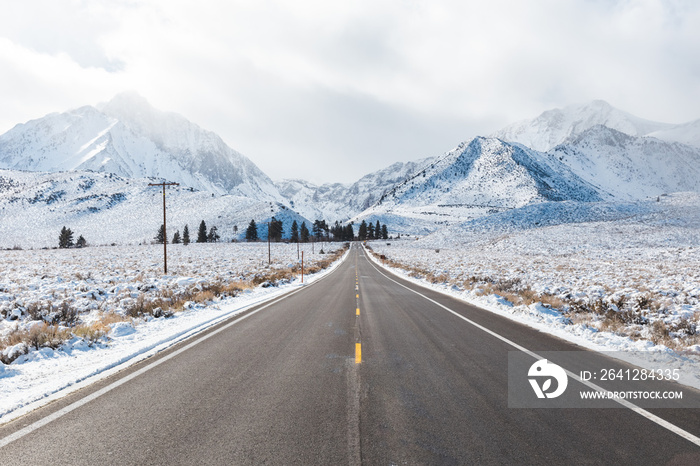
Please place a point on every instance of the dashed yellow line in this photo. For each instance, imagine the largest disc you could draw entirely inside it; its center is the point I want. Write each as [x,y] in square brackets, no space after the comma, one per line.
[358,346]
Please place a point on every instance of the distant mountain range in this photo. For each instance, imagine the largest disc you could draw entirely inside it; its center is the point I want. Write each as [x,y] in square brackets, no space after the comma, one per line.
[586,153]
[336,201]
[555,127]
[583,153]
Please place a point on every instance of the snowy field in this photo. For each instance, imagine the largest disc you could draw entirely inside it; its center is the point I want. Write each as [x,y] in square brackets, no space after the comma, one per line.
[71,316]
[613,277]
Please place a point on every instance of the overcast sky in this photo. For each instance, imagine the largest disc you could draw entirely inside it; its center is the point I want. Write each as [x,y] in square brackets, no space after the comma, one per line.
[331,90]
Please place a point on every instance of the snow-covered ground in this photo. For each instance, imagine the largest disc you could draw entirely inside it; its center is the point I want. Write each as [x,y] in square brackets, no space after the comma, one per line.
[610,277]
[105,286]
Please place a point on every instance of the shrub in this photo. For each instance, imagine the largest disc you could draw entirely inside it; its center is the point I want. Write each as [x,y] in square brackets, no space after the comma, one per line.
[660,334]
[44,335]
[91,333]
[686,327]
[552,301]
[67,314]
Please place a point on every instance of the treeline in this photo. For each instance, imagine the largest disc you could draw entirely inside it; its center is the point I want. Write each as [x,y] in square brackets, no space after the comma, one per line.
[320,231]
[203,235]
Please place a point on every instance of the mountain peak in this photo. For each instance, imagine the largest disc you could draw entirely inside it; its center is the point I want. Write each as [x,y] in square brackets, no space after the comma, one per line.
[131,98]
[553,127]
[133,110]
[128,104]
[600,104]
[479,177]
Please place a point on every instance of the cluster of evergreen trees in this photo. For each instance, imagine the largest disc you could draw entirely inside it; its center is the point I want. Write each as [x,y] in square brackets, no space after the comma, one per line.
[369,231]
[343,233]
[320,231]
[203,236]
[65,239]
[275,230]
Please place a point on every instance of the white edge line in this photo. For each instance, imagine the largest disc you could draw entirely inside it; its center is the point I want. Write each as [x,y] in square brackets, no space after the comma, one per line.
[73,406]
[641,411]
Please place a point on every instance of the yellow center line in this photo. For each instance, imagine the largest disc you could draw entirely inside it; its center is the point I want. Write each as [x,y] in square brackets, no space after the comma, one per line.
[357,312]
[358,353]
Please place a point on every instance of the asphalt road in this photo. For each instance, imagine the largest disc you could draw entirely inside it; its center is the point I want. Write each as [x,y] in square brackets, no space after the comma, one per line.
[354,369]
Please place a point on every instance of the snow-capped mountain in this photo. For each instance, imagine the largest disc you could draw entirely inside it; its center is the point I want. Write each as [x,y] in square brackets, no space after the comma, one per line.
[106,208]
[326,202]
[594,152]
[479,177]
[131,139]
[631,167]
[555,126]
[336,201]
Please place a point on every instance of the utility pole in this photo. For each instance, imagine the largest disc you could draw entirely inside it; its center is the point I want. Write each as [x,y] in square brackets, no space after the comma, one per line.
[165,234]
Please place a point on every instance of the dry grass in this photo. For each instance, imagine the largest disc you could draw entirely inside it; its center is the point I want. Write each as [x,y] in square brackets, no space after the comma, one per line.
[40,335]
[13,338]
[204,296]
[441,278]
[50,336]
[552,301]
[613,326]
[91,333]
[108,318]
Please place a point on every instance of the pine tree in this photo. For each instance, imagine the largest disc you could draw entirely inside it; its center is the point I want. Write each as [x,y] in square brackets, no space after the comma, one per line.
[213,235]
[65,239]
[160,237]
[385,232]
[319,228]
[251,234]
[304,233]
[349,233]
[202,235]
[176,237]
[377,231]
[276,229]
[186,235]
[81,243]
[370,231]
[362,234]
[294,236]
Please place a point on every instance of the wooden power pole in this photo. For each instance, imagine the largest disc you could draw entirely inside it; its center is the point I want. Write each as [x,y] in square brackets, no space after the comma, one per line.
[165,234]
